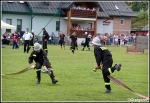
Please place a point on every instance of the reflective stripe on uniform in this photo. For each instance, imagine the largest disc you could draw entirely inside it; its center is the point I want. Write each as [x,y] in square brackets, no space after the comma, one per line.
[45,49]
[107,83]
[103,48]
[34,55]
[38,69]
[109,69]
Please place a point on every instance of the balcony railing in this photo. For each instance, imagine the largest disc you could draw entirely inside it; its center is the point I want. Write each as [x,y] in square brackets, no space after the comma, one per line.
[83,13]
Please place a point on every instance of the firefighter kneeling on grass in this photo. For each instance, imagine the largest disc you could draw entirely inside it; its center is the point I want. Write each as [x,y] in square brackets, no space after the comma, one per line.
[39,56]
[103,55]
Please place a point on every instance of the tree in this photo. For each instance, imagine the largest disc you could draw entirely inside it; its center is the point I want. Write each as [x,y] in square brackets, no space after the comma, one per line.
[137,6]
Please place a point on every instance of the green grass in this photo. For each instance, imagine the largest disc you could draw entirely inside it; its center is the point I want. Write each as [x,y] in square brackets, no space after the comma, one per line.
[77,81]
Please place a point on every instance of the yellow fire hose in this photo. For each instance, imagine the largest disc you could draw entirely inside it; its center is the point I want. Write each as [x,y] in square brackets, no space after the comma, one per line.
[22,71]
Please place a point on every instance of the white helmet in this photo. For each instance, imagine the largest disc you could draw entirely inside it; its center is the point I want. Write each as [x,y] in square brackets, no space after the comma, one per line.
[96,41]
[32,30]
[37,46]
[86,33]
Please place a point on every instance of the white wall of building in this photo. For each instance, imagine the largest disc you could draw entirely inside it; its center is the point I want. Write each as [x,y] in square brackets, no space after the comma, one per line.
[108,28]
[25,21]
[104,28]
[38,22]
[99,26]
[63,26]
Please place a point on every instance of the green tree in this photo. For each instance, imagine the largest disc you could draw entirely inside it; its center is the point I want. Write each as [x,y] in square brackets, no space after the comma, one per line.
[141,20]
[137,6]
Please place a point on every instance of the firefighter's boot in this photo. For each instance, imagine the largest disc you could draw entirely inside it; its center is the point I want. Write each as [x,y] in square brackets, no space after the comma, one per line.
[51,74]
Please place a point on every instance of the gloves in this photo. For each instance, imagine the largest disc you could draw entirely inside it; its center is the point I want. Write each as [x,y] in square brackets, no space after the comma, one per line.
[45,70]
[98,67]
[32,66]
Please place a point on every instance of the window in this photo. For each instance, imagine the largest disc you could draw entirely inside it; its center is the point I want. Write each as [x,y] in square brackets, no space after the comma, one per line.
[8,21]
[19,25]
[57,25]
[122,21]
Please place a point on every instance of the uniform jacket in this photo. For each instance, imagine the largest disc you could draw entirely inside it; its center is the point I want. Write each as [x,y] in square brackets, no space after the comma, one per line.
[45,35]
[102,54]
[38,57]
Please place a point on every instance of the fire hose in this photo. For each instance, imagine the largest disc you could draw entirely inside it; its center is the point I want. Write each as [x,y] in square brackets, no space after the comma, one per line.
[125,86]
[22,71]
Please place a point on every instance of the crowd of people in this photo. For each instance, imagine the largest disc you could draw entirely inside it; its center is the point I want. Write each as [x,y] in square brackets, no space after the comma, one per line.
[11,39]
[117,39]
[78,27]
[15,39]
[74,7]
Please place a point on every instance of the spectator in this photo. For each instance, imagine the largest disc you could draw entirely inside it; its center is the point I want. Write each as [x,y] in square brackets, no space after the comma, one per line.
[15,39]
[31,41]
[111,39]
[4,41]
[50,39]
[116,37]
[53,38]
[27,36]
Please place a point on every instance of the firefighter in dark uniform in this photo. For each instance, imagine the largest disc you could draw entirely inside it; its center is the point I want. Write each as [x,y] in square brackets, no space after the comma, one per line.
[62,39]
[104,57]
[76,43]
[87,41]
[39,56]
[45,39]
[31,41]
[73,41]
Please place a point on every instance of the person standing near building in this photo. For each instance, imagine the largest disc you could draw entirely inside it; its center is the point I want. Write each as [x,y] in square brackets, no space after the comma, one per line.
[45,39]
[27,36]
[52,38]
[104,57]
[31,41]
[62,39]
[73,41]
[19,36]
[87,40]
[40,57]
[15,39]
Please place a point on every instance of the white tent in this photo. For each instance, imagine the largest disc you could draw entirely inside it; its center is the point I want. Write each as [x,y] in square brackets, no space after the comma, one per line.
[7,26]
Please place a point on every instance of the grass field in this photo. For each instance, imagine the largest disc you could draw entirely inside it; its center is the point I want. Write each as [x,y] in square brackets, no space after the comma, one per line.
[77,81]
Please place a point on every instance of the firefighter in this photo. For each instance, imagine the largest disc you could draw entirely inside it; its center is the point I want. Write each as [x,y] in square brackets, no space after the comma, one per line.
[76,43]
[62,39]
[73,41]
[39,56]
[87,41]
[103,55]
[45,39]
